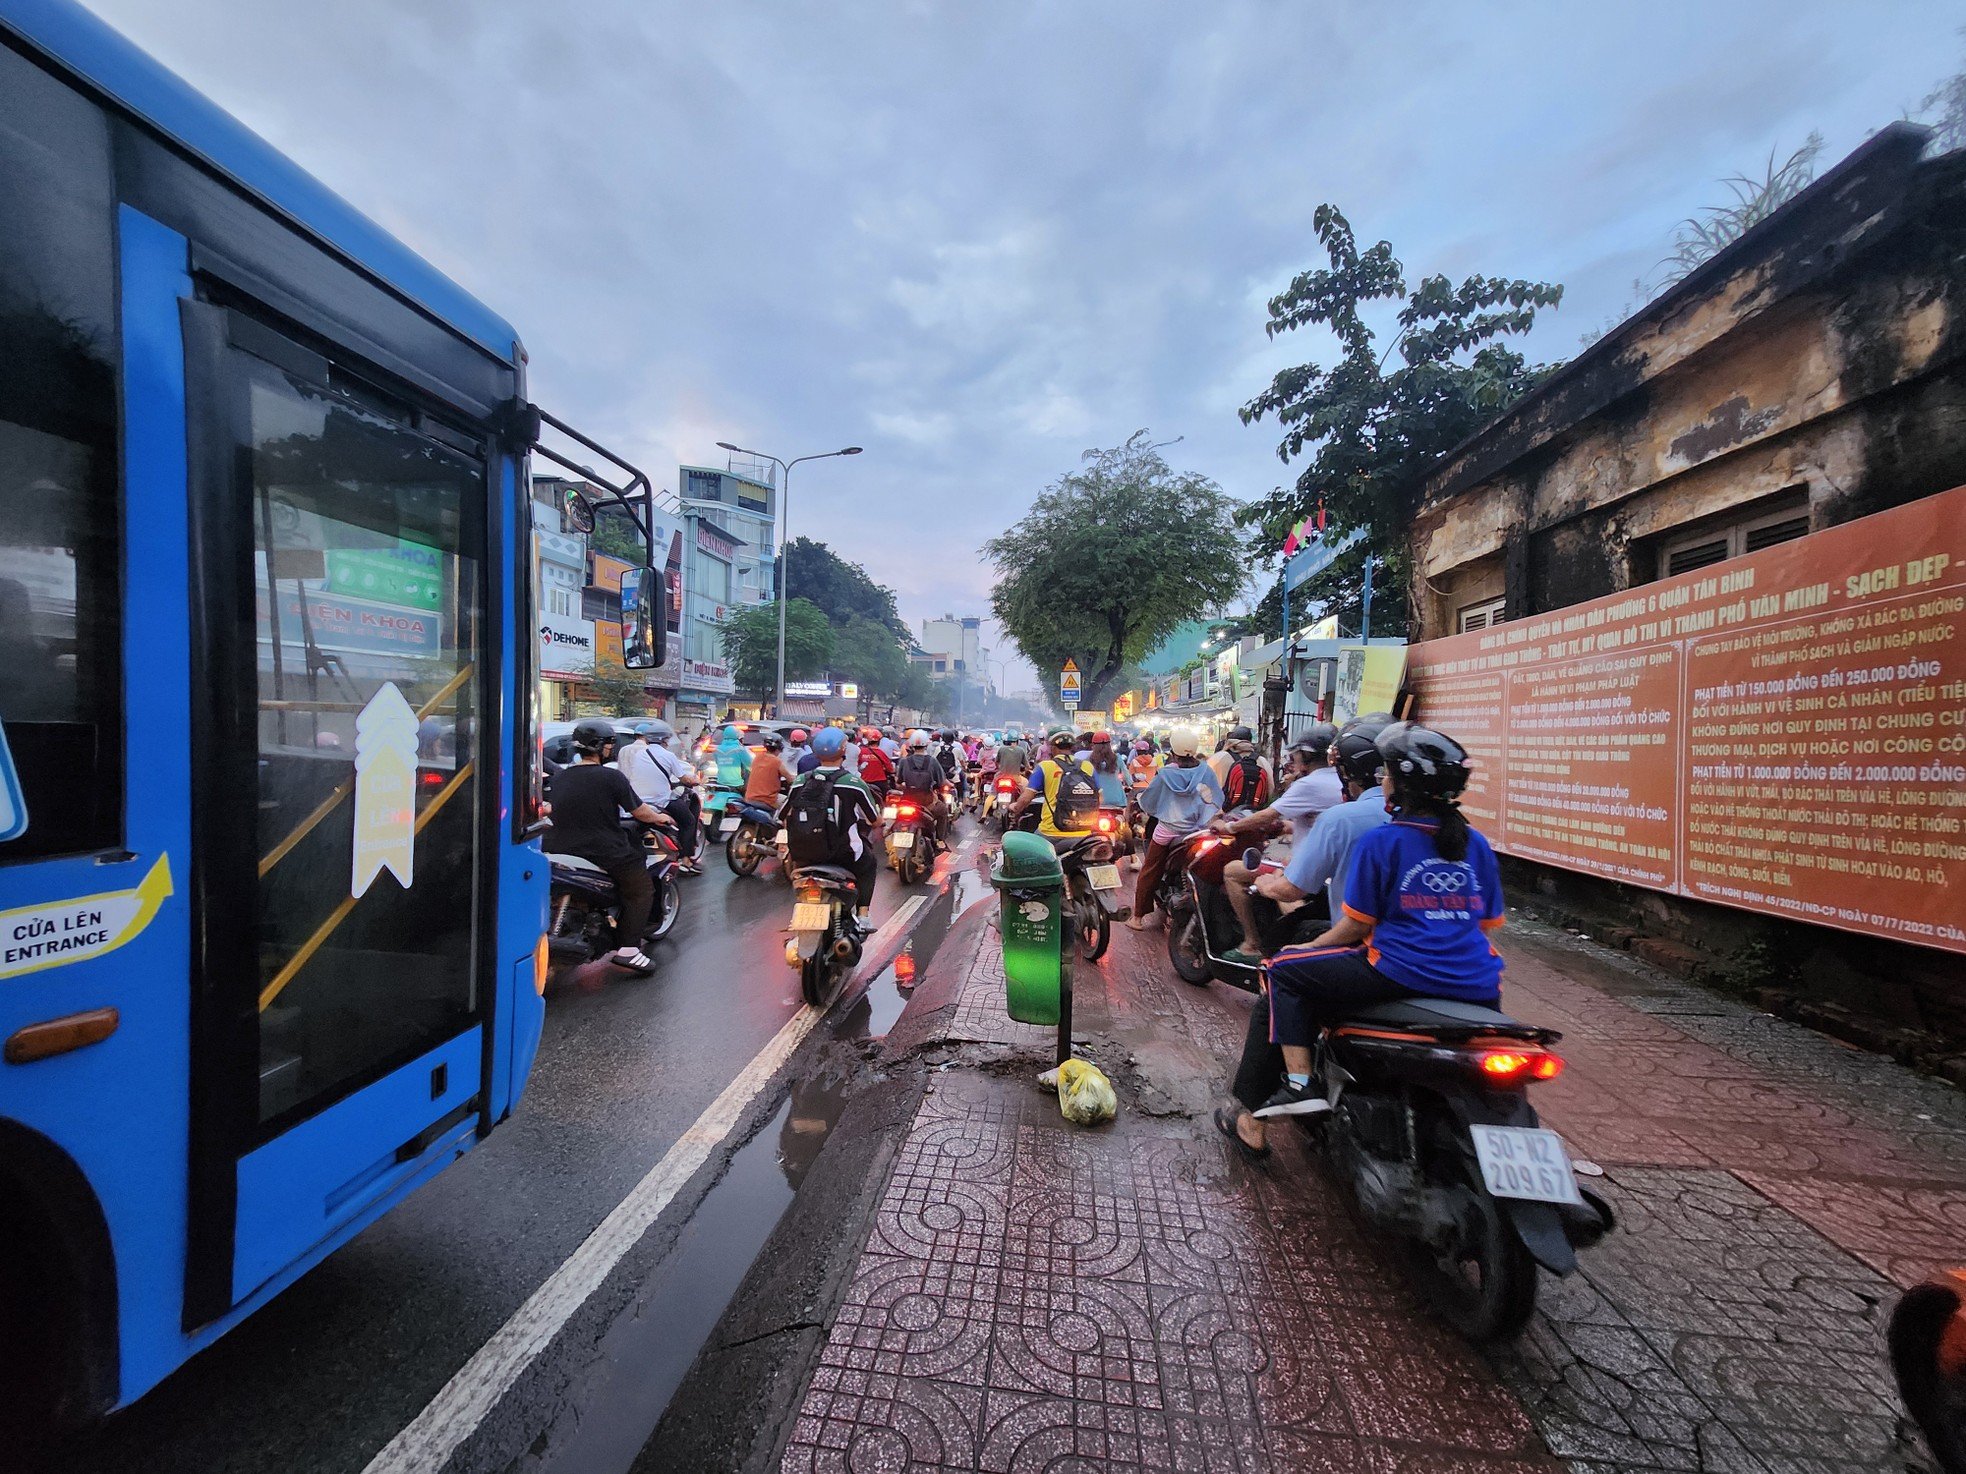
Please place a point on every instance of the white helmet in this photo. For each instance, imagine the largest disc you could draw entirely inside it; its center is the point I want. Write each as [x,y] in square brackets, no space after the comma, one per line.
[918,738]
[1183,742]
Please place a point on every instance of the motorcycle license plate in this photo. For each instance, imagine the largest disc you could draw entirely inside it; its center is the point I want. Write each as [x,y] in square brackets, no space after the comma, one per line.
[811,915]
[1520,1162]
[1103,877]
[731,821]
[904,841]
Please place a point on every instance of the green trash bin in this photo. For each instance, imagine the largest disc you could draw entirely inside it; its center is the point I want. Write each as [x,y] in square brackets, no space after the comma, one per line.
[1030,891]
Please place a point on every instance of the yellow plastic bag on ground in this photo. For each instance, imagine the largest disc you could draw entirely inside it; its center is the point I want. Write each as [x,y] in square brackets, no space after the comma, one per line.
[1085,1095]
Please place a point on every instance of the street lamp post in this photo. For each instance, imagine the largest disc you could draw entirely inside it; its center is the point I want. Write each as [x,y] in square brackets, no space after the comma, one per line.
[784,537]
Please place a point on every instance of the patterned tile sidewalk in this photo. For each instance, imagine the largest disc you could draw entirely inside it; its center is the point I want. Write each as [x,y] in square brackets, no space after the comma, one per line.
[1034,1296]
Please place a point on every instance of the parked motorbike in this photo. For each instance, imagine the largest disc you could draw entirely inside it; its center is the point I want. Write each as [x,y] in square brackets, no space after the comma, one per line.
[912,844]
[1093,898]
[1432,1129]
[585,910]
[825,943]
[1202,926]
[754,837]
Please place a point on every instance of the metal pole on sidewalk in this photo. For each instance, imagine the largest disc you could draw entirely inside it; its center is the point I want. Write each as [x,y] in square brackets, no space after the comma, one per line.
[1068,945]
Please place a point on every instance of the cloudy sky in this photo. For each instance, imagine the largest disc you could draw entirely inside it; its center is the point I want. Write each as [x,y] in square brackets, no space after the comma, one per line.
[979,236]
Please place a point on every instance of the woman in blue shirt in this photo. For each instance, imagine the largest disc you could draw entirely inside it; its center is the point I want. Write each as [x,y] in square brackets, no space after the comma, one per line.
[1421,894]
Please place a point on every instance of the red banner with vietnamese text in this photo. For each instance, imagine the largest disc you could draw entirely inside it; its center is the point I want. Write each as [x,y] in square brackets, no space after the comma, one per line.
[1783,732]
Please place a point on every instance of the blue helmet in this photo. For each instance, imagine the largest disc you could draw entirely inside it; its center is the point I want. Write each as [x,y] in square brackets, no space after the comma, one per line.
[731,734]
[829,742]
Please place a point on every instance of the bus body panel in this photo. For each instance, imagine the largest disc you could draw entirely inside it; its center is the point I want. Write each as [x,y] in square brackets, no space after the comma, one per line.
[121,1109]
[297,1189]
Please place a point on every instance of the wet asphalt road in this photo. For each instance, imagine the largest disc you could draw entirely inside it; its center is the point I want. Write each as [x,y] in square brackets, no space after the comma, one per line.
[324,1376]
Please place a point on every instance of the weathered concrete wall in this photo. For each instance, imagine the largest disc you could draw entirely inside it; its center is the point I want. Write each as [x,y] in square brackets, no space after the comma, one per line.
[1828,359]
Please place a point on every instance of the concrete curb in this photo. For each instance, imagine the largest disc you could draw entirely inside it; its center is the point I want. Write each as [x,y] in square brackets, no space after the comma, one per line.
[736,1406]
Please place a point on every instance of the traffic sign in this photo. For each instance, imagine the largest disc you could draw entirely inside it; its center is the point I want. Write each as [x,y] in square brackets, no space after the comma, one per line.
[1068,685]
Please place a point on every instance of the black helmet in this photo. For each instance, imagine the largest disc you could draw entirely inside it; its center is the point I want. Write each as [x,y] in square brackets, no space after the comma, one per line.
[1320,737]
[1359,758]
[1424,762]
[773,742]
[1240,734]
[591,734]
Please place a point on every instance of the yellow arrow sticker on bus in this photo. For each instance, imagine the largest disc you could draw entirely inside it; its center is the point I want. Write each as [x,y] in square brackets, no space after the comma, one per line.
[60,932]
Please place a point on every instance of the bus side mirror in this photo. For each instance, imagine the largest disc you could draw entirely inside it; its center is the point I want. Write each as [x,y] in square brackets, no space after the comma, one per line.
[644,619]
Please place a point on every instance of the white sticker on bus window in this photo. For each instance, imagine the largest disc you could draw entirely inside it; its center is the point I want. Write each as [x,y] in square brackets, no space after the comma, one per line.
[58,932]
[385,790]
[13,804]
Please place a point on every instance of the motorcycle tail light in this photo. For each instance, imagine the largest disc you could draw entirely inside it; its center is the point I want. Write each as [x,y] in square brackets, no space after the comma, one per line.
[1006,785]
[812,893]
[1506,1066]
[906,811]
[1206,845]
[888,812]
[1105,823]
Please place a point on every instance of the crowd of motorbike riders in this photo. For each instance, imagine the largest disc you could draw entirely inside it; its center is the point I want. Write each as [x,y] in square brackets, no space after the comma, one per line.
[1348,892]
[1193,826]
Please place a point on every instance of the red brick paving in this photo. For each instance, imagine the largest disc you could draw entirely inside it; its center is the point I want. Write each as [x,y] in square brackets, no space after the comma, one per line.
[1033,1296]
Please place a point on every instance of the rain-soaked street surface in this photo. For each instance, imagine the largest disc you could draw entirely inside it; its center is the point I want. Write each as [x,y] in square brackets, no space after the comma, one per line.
[325,1376]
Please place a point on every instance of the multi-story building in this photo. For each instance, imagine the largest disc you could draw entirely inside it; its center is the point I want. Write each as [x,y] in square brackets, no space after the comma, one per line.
[731,534]
[953,646]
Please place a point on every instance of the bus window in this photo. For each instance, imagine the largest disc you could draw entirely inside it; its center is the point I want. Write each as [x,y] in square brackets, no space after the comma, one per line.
[367,544]
[60,675]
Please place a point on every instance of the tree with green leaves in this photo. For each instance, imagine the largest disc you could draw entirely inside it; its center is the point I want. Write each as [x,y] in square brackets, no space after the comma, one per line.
[750,640]
[616,690]
[1110,558]
[1366,435]
[868,654]
[842,590]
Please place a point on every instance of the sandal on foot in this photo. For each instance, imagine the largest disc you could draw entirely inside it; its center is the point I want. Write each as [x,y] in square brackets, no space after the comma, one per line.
[1226,1118]
[637,962]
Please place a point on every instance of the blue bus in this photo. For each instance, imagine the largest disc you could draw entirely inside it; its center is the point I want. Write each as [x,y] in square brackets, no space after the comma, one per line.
[271,897]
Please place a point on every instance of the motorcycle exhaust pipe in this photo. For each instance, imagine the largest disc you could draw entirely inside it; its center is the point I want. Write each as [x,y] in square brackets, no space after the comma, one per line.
[843,950]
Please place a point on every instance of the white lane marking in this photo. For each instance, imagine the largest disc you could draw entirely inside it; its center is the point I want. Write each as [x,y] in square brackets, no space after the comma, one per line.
[429,1439]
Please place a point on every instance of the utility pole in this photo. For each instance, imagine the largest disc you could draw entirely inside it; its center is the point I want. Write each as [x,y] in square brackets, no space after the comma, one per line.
[784,538]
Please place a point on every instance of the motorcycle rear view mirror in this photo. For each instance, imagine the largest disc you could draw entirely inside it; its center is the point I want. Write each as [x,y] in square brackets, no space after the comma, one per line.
[1252,858]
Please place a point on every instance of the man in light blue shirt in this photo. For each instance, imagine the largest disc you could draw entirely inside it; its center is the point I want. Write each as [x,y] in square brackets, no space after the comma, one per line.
[1317,861]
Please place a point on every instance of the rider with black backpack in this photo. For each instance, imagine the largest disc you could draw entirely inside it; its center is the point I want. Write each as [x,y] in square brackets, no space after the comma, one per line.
[1066,791]
[832,818]
[920,776]
[1244,776]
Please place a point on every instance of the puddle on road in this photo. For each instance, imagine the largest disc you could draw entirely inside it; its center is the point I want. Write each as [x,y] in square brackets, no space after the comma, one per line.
[647,1352]
[888,991]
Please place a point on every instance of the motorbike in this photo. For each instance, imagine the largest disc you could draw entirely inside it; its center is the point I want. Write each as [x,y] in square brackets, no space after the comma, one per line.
[584,909]
[825,942]
[1093,897]
[755,836]
[997,798]
[912,844]
[1431,1128]
[1202,926]
[720,810]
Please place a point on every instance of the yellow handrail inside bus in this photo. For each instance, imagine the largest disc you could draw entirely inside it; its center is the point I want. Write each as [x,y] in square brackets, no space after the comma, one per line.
[328,805]
[335,917]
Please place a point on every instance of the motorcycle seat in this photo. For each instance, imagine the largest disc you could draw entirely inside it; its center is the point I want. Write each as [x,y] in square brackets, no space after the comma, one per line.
[1072,843]
[835,873]
[575,862]
[1437,1013]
